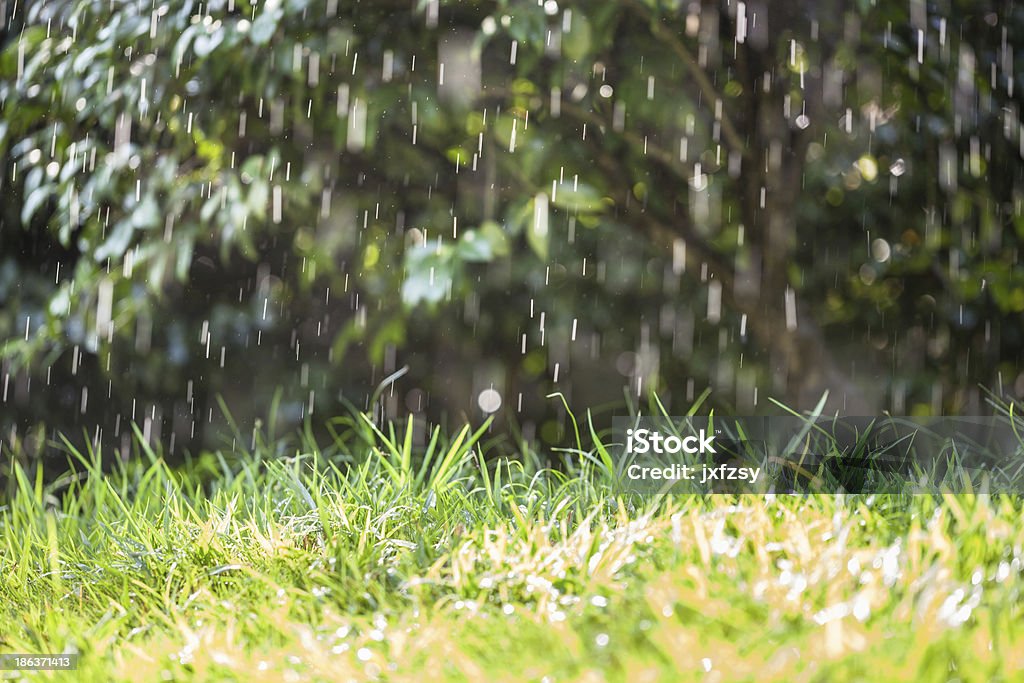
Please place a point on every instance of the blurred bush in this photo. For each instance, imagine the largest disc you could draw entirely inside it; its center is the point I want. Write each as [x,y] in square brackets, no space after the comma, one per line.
[770,199]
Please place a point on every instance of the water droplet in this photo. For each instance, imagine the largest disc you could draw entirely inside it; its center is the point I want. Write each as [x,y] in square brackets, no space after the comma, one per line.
[489,400]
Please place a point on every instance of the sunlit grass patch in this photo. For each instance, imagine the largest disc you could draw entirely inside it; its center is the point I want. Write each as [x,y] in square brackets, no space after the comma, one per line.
[366,559]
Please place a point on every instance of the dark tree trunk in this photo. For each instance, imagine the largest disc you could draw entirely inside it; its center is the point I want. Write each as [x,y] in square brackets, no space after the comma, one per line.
[801,360]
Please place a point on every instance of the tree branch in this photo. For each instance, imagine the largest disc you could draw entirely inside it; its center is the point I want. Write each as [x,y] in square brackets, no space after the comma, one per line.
[732,137]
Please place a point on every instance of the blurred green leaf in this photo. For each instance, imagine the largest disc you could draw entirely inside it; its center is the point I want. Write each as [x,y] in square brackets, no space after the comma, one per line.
[117,242]
[577,197]
[474,247]
[576,42]
[265,24]
[496,237]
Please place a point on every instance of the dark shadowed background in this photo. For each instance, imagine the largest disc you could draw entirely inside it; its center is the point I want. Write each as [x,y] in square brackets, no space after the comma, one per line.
[283,203]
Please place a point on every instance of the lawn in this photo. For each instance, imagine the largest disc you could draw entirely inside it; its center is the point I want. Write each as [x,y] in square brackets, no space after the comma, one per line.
[371,559]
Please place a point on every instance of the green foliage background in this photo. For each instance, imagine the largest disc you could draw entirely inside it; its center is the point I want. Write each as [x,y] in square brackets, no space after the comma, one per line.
[303,196]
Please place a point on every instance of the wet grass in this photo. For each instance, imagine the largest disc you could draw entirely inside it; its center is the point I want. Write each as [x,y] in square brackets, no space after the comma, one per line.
[374,559]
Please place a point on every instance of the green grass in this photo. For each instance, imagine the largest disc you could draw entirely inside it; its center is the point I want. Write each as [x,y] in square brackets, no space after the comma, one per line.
[373,559]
